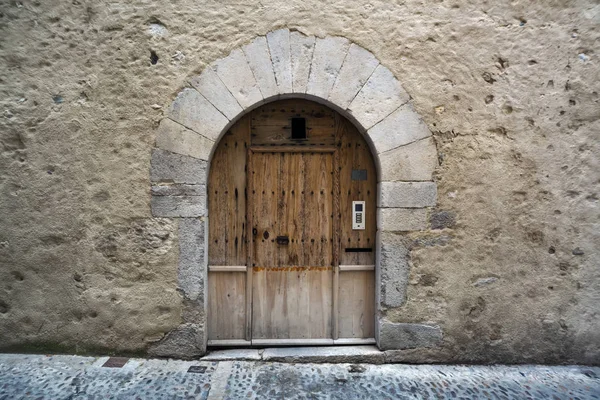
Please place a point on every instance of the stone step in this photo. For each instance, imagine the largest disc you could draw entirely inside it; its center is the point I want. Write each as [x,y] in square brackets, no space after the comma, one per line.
[330,354]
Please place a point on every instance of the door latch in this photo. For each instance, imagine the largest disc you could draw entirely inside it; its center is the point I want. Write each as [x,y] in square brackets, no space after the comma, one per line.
[282,240]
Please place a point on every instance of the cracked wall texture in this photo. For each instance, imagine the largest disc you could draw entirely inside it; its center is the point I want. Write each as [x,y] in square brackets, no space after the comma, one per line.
[509,90]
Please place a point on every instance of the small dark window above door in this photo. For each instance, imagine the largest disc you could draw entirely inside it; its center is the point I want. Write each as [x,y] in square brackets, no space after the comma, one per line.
[298,128]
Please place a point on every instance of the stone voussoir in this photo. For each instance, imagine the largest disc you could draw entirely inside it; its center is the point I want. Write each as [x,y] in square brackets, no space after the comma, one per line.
[379,97]
[356,70]
[257,54]
[398,336]
[236,74]
[413,162]
[401,127]
[193,111]
[279,48]
[328,57]
[408,194]
[301,48]
[176,138]
[211,87]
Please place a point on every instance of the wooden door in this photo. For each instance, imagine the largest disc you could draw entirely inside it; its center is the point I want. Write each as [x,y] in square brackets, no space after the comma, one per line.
[292,242]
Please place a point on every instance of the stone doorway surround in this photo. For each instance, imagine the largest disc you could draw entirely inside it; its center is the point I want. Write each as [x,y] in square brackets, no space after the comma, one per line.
[332,71]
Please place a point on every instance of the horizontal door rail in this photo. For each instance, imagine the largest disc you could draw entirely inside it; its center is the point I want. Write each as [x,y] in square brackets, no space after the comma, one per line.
[227,268]
[357,268]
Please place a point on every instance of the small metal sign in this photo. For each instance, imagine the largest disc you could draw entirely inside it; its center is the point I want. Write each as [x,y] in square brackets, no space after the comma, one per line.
[197,369]
[359,174]
[115,362]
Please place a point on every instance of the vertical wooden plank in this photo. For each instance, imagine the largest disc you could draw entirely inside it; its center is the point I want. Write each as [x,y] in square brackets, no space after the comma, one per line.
[249,245]
[226,300]
[336,241]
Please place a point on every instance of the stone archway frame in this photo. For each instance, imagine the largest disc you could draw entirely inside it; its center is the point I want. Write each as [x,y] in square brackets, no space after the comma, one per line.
[329,70]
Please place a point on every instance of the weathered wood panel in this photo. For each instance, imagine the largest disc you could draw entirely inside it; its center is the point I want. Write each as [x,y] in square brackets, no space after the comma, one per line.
[356,315]
[226,305]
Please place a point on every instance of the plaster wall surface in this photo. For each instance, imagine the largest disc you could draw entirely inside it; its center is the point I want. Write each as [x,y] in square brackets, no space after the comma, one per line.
[509,270]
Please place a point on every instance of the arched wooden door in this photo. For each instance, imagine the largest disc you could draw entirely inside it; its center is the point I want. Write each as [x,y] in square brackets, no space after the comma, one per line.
[292,224]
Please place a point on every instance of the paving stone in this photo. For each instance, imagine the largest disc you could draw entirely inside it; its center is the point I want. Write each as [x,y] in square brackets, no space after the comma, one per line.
[236,74]
[301,49]
[413,162]
[356,70]
[178,206]
[171,167]
[176,138]
[193,111]
[394,336]
[393,269]
[333,354]
[402,219]
[279,47]
[233,354]
[211,87]
[178,189]
[401,127]
[259,59]
[327,60]
[379,97]
[408,194]
[192,269]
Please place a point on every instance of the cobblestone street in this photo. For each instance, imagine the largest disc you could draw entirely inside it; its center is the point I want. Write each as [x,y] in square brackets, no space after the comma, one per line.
[73,377]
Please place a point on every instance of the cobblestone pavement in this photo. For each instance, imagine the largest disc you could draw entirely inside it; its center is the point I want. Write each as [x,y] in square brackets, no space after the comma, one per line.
[72,377]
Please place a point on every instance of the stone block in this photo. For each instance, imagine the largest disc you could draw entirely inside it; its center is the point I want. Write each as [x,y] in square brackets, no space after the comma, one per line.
[279,47]
[398,336]
[184,342]
[327,60]
[193,111]
[401,127]
[393,269]
[211,87]
[176,138]
[301,49]
[413,162]
[178,206]
[236,74]
[335,354]
[179,189]
[259,59]
[192,263]
[176,168]
[402,219]
[356,70]
[443,220]
[378,98]
[408,194]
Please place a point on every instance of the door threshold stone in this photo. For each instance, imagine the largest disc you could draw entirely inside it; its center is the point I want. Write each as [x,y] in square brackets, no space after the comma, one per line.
[330,354]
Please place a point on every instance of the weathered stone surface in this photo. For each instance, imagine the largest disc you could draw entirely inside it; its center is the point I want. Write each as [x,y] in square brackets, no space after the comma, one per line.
[171,167]
[178,206]
[356,70]
[327,60]
[193,111]
[233,354]
[259,59]
[185,342]
[179,189]
[301,49]
[211,87]
[176,138]
[279,47]
[381,95]
[393,269]
[397,336]
[442,219]
[408,194]
[192,269]
[413,162]
[335,354]
[401,127]
[236,74]
[402,219]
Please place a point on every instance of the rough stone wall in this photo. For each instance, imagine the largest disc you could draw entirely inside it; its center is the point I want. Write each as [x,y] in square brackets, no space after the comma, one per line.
[510,267]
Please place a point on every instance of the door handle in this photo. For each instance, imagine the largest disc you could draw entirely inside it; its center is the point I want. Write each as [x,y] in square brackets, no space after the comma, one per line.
[284,240]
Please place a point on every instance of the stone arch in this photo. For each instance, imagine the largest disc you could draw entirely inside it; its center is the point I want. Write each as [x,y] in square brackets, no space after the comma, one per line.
[329,70]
